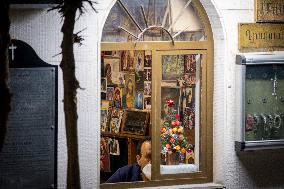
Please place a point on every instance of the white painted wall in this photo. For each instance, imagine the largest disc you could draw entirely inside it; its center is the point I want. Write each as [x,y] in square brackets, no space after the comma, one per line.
[42,31]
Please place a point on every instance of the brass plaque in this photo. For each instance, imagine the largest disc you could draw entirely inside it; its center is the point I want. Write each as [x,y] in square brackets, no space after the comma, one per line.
[269,10]
[265,36]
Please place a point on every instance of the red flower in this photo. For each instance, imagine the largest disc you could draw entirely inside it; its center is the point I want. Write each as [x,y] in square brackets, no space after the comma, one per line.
[177,116]
[177,123]
[170,102]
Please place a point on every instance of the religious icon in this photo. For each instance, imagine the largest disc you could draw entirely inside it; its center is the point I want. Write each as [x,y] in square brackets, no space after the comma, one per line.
[139,100]
[147,103]
[139,60]
[121,79]
[190,63]
[124,60]
[172,67]
[147,88]
[148,61]
[109,93]
[148,74]
[104,158]
[115,121]
[139,80]
[117,97]
[131,61]
[130,90]
[108,73]
[189,95]
[103,84]
[189,117]
[114,125]
[104,121]
[114,147]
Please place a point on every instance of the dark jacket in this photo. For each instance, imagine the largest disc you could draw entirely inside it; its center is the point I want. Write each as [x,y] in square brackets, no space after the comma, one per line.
[128,173]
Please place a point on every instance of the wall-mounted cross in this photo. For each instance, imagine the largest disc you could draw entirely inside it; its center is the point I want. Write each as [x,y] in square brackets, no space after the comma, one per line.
[12,48]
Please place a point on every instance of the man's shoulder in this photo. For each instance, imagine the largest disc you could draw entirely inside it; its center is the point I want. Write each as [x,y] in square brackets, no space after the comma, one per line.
[128,173]
[132,167]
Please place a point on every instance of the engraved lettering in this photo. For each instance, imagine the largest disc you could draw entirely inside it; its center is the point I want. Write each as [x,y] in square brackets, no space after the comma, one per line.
[256,36]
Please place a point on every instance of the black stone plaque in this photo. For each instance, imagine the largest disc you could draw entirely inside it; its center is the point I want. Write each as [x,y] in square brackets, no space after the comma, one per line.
[28,159]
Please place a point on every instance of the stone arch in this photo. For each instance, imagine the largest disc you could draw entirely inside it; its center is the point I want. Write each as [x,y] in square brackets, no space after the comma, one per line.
[219,90]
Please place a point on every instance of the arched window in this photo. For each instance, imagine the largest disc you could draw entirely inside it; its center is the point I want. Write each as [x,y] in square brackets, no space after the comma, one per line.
[157,83]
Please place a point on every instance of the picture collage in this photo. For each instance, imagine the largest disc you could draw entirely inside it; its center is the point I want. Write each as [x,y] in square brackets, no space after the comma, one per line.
[125,85]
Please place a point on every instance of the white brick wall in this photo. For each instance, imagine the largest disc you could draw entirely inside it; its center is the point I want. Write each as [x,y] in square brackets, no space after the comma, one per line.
[42,31]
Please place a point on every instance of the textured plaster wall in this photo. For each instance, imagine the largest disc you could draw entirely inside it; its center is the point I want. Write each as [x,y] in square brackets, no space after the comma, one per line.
[42,31]
[251,169]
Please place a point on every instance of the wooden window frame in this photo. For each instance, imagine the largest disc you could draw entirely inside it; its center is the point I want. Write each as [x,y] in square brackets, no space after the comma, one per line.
[205,174]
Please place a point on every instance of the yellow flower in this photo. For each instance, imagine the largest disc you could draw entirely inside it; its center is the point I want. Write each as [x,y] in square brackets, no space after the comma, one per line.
[177,147]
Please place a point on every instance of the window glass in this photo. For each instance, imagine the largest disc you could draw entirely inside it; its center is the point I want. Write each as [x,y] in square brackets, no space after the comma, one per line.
[180,109]
[128,18]
[125,112]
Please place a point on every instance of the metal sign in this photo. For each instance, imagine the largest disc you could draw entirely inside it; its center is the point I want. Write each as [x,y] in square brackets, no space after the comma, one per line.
[264,36]
[269,10]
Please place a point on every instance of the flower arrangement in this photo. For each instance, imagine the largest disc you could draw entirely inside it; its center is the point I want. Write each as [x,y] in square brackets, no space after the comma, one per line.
[173,138]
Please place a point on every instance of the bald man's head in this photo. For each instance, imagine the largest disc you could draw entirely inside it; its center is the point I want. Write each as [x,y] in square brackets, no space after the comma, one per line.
[144,157]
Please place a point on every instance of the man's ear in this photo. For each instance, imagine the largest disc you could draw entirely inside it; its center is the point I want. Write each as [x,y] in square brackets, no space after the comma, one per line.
[138,157]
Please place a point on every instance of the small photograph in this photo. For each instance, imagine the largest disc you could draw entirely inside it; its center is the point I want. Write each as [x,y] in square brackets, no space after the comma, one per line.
[103,84]
[114,147]
[139,80]
[147,88]
[139,61]
[148,74]
[109,93]
[147,102]
[190,63]
[117,97]
[148,61]
[139,100]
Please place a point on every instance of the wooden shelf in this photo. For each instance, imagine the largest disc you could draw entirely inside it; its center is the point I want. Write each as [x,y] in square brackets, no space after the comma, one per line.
[121,135]
[131,145]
